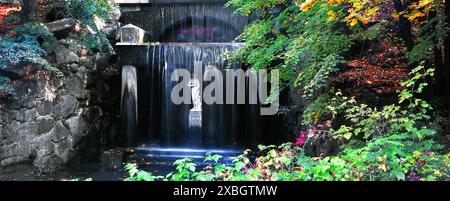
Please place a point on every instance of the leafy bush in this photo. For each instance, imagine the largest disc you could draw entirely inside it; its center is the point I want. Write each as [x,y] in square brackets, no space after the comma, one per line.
[22,48]
[303,44]
[90,13]
[139,175]
[317,109]
[428,37]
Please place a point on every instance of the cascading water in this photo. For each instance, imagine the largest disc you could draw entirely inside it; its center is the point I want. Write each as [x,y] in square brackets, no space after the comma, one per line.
[192,33]
[219,124]
[129,104]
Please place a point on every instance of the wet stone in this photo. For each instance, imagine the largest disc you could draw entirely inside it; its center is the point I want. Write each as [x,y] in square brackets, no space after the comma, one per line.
[66,107]
[44,107]
[26,115]
[45,124]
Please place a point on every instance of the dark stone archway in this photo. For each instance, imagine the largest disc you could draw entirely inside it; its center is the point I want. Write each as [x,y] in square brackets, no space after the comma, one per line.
[158,18]
[199,29]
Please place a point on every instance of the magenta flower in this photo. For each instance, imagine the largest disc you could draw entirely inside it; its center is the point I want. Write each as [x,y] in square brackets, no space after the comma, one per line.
[198,32]
[244,170]
[301,139]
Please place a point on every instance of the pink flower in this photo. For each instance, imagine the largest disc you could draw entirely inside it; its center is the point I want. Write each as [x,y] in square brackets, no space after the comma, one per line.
[198,32]
[300,139]
[313,131]
[244,170]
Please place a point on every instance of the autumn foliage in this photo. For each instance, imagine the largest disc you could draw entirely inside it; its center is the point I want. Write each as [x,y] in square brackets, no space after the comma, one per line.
[6,10]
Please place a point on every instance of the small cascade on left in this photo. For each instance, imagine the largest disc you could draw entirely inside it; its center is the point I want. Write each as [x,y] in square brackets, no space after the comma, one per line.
[129,106]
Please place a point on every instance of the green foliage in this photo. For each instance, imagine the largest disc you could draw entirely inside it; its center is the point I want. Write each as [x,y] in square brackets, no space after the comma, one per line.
[185,168]
[429,36]
[6,87]
[371,122]
[139,175]
[304,45]
[9,2]
[212,158]
[89,12]
[317,108]
[23,48]
[38,31]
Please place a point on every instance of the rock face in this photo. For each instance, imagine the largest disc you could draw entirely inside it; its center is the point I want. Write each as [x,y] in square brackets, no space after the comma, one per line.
[51,122]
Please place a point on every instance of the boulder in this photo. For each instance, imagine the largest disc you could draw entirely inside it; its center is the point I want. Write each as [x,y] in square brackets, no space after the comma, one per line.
[64,151]
[26,115]
[18,71]
[44,107]
[321,147]
[62,28]
[45,124]
[27,130]
[46,162]
[74,87]
[65,56]
[21,149]
[66,107]
[76,125]
[59,133]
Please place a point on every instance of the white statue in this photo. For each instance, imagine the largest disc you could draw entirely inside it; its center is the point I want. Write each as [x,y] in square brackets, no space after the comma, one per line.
[195,93]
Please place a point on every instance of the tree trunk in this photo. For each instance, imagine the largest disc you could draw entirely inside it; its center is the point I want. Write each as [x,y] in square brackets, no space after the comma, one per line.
[27,10]
[446,60]
[404,26]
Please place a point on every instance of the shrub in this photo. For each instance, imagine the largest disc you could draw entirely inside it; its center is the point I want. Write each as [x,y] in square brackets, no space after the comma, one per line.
[21,48]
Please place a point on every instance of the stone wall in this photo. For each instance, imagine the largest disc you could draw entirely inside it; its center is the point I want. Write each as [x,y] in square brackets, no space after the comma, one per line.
[51,120]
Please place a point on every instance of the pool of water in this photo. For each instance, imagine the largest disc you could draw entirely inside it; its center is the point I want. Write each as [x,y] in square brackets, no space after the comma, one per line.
[157,160]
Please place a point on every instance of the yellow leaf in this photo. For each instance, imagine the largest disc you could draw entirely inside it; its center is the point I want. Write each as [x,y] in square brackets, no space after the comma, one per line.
[382,167]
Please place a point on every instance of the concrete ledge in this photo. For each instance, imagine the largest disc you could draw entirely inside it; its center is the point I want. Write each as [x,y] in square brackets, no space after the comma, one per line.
[125,2]
[180,44]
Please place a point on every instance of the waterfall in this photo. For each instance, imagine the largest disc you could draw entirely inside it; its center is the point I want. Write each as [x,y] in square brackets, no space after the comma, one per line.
[129,105]
[169,123]
[188,33]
